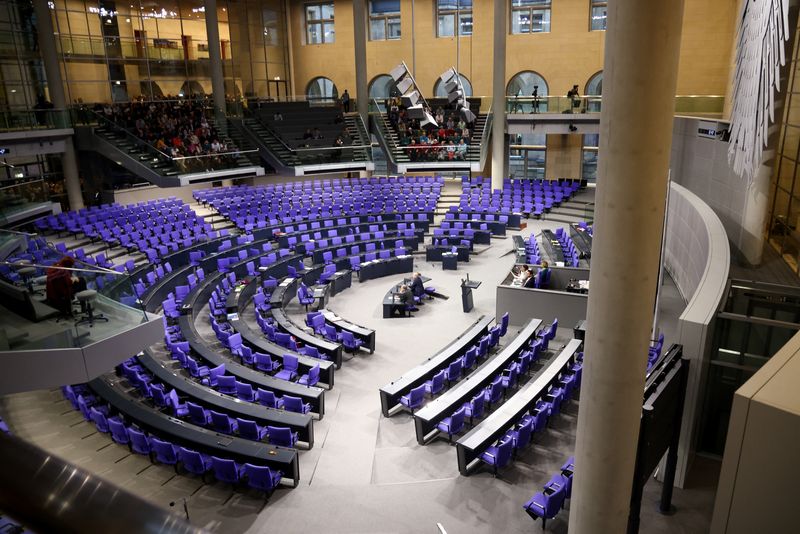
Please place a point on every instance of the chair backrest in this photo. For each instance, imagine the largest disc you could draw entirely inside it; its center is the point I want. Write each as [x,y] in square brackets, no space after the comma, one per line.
[290,362]
[247,429]
[504,450]
[279,435]
[226,383]
[224,469]
[196,413]
[417,394]
[220,421]
[293,404]
[192,460]
[164,450]
[504,324]
[266,397]
[457,419]
[347,338]
[260,477]
[244,391]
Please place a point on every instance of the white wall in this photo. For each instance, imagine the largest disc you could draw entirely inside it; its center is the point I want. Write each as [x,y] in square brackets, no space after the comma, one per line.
[697,256]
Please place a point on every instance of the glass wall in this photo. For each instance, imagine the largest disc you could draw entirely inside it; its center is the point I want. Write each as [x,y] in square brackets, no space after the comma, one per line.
[118,52]
[527,155]
[591,144]
[783,231]
[22,78]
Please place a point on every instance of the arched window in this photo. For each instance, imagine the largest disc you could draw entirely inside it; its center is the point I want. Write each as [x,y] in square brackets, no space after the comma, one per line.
[439,90]
[595,85]
[322,88]
[382,86]
[191,88]
[522,84]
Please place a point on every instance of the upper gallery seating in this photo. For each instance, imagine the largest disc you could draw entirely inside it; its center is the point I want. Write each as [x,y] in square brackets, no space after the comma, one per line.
[451,140]
[183,131]
[261,206]
[292,130]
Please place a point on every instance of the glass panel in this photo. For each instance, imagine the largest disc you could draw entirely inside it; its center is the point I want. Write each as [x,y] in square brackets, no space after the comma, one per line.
[377,29]
[599,17]
[466,24]
[313,12]
[522,84]
[330,34]
[394,28]
[377,7]
[520,22]
[446,25]
[519,3]
[314,33]
[786,174]
[540,20]
[327,11]
[589,171]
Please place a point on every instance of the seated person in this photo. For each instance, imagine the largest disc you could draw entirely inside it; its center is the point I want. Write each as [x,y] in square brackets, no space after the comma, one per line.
[308,134]
[417,287]
[521,275]
[406,299]
[530,282]
[62,284]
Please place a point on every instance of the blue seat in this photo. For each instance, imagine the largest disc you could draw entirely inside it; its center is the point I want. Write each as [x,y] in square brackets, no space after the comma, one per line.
[140,443]
[546,504]
[474,407]
[268,398]
[281,436]
[435,384]
[250,430]
[261,477]
[222,423]
[349,341]
[493,392]
[118,431]
[226,384]
[295,404]
[453,424]
[414,399]
[197,414]
[165,452]
[194,462]
[245,391]
[521,436]
[290,365]
[225,470]
[311,378]
[453,371]
[504,324]
[498,456]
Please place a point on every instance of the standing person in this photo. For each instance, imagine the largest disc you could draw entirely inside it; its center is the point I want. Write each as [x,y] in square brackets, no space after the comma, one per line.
[417,287]
[544,275]
[346,101]
[572,94]
[535,96]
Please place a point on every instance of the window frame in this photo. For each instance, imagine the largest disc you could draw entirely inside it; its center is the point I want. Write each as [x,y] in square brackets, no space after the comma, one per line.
[321,22]
[386,18]
[456,15]
[546,5]
[593,4]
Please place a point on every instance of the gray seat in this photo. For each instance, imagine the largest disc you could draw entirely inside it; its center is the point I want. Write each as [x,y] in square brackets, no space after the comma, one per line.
[86,297]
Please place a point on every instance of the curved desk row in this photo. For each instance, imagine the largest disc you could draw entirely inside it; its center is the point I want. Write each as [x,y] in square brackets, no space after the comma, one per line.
[300,423]
[343,232]
[362,333]
[582,239]
[185,434]
[426,418]
[513,221]
[386,243]
[421,219]
[303,424]
[479,237]
[475,221]
[380,268]
[496,424]
[258,342]
[415,377]
[199,296]
[552,247]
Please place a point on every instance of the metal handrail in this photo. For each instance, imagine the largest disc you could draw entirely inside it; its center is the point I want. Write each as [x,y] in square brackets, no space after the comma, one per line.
[49,494]
[21,184]
[141,142]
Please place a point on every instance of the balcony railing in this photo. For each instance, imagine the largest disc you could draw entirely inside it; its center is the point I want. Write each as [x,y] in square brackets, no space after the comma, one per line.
[684,104]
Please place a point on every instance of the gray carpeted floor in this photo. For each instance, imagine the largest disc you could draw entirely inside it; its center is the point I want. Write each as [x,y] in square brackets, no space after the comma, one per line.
[366,472]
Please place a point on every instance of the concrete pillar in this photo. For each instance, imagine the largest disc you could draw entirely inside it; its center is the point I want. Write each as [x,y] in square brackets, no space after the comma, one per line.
[360,47]
[55,86]
[640,75]
[214,56]
[499,95]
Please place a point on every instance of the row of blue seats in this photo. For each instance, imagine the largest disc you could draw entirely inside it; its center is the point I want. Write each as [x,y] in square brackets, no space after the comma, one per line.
[548,502]
[501,453]
[140,442]
[453,372]
[195,413]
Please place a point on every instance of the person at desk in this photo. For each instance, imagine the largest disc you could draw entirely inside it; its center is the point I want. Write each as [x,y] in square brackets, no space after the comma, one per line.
[544,275]
[522,275]
[62,284]
[417,287]
[406,299]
